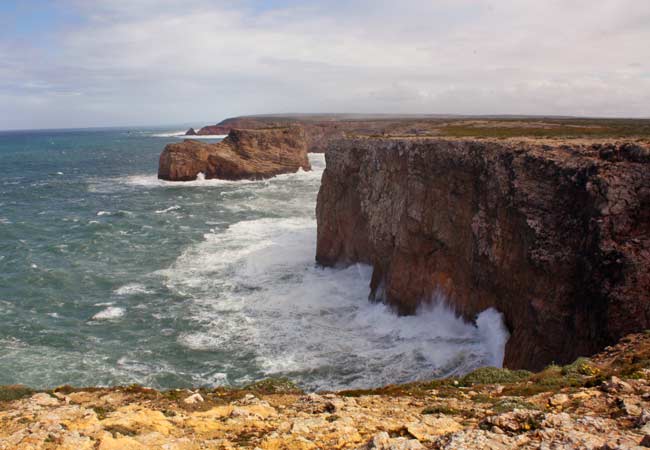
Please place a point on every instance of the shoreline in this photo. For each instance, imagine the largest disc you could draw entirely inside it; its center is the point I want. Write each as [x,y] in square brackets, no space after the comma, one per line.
[591,403]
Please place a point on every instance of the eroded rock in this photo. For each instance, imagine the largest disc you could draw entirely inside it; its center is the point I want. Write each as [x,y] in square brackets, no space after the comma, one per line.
[244,154]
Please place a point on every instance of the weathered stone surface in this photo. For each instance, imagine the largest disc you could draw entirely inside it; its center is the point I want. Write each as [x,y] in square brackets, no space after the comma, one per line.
[390,418]
[244,154]
[554,235]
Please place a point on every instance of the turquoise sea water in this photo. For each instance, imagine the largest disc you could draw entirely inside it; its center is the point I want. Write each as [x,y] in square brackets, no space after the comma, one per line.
[110,276]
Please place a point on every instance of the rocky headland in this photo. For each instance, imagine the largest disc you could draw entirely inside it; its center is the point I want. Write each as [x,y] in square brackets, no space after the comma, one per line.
[547,220]
[554,234]
[243,154]
[598,403]
[322,129]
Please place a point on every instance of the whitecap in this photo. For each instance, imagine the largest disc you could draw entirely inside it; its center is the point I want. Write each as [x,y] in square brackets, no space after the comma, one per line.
[255,288]
[132,289]
[110,313]
[103,213]
[169,134]
[171,208]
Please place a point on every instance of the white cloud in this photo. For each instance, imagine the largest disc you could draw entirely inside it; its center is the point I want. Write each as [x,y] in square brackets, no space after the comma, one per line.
[170,61]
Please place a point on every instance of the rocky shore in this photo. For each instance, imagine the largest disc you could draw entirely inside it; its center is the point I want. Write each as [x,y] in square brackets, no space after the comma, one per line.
[555,234]
[244,154]
[598,403]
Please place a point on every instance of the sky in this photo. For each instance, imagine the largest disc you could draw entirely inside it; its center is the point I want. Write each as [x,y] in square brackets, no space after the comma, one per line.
[84,63]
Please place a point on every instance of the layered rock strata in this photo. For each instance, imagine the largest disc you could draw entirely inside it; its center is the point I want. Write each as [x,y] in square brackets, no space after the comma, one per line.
[554,235]
[244,154]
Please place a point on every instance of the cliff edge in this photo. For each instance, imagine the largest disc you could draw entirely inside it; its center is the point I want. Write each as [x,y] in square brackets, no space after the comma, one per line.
[244,154]
[598,403]
[554,235]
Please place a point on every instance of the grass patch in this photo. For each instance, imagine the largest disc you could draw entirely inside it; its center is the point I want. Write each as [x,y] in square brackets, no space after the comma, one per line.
[581,366]
[510,404]
[494,375]
[273,386]
[124,431]
[14,392]
[442,409]
[102,411]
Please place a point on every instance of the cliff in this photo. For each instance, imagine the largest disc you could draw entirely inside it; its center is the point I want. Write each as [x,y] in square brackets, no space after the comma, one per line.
[600,403]
[554,235]
[244,154]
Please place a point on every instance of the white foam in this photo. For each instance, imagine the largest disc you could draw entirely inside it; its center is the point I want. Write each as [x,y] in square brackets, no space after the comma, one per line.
[103,213]
[169,134]
[132,289]
[255,288]
[110,313]
[182,135]
[166,210]
[205,136]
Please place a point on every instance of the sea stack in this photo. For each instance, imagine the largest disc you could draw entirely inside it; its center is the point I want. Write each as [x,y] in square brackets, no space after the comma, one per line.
[243,154]
[555,235]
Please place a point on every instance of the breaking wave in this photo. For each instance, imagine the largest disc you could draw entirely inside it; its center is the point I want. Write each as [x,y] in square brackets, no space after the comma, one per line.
[255,289]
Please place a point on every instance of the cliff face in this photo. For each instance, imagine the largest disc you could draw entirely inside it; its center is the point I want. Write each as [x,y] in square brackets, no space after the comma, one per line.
[244,154]
[556,237]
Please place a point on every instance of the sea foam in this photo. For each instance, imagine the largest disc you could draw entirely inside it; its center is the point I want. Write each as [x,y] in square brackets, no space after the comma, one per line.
[255,288]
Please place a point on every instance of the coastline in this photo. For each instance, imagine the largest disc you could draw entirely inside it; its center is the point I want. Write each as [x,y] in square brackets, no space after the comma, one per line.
[601,402]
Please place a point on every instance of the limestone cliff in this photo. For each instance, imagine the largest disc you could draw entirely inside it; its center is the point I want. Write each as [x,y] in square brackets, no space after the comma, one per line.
[244,154]
[556,236]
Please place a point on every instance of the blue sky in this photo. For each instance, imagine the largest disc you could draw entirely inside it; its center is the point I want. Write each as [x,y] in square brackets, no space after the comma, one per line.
[74,63]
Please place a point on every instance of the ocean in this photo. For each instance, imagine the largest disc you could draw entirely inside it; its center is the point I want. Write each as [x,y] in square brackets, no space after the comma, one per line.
[109,276]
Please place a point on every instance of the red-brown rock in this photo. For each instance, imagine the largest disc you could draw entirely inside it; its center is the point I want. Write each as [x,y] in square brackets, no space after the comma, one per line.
[244,154]
[557,237]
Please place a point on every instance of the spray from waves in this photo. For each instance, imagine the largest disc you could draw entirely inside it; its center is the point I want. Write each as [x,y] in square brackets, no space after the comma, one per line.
[168,134]
[111,185]
[110,313]
[257,296]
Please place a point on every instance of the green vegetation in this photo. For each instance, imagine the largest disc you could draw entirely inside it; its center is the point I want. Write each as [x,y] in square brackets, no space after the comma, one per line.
[550,128]
[273,386]
[15,392]
[441,409]
[510,404]
[494,375]
[103,411]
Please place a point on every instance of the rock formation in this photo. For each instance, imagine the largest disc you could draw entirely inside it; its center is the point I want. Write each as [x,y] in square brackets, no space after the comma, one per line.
[602,403]
[244,154]
[554,235]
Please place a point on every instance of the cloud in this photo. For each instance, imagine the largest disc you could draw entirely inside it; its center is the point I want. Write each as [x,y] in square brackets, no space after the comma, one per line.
[146,62]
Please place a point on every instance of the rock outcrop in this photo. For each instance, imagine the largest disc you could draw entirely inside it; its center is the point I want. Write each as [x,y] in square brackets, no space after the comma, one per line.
[318,135]
[244,154]
[554,235]
[602,403]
